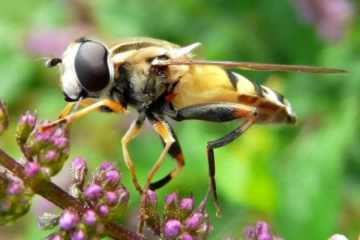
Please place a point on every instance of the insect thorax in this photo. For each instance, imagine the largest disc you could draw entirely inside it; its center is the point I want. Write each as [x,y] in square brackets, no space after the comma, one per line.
[139,86]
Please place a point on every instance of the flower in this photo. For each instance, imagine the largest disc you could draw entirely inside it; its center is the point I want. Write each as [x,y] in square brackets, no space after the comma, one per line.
[338,237]
[103,196]
[330,17]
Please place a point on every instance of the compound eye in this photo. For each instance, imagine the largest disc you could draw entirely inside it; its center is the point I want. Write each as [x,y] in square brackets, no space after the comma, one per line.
[91,66]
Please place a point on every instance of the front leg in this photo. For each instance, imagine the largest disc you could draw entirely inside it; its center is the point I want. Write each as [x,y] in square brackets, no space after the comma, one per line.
[70,106]
[114,106]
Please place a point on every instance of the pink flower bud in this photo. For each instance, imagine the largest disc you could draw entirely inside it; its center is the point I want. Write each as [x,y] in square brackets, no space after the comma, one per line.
[194,221]
[186,236]
[15,188]
[105,166]
[172,228]
[89,217]
[187,203]
[172,198]
[112,176]
[31,169]
[111,198]
[60,142]
[93,192]
[151,198]
[103,210]
[78,235]
[68,220]
[25,127]
[51,155]
[78,164]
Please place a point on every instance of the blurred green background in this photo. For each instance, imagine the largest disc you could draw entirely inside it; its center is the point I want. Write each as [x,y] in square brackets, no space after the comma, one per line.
[304,180]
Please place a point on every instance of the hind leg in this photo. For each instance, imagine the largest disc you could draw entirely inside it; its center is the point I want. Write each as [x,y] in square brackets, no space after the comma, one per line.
[219,112]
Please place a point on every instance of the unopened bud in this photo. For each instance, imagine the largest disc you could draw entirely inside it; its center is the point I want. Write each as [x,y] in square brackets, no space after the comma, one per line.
[187,203]
[93,192]
[150,198]
[194,221]
[103,210]
[186,236]
[4,118]
[111,198]
[55,237]
[78,235]
[172,228]
[68,220]
[15,188]
[79,168]
[25,126]
[106,166]
[171,206]
[112,177]
[31,169]
[89,217]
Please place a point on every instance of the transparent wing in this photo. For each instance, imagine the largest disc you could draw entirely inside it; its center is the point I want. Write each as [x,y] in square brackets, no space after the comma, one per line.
[253,66]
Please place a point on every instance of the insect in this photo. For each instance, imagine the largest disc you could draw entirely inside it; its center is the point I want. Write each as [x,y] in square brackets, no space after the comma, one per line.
[162,80]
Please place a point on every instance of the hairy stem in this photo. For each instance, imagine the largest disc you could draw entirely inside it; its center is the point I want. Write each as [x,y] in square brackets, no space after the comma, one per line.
[59,197]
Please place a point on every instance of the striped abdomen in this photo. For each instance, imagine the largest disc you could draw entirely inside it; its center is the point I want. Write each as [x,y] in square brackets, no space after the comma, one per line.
[213,84]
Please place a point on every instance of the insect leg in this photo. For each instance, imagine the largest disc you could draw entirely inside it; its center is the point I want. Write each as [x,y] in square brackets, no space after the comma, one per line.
[163,129]
[220,143]
[175,152]
[132,133]
[218,112]
[69,107]
[114,106]
[67,110]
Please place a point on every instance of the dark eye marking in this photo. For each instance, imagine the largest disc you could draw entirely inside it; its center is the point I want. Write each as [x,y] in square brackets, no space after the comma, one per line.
[91,66]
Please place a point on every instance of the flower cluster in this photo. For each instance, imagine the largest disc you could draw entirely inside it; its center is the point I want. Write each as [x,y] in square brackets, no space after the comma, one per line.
[180,219]
[15,198]
[104,199]
[330,17]
[46,150]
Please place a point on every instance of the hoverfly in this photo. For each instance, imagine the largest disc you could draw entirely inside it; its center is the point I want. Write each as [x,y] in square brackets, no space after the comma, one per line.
[162,80]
